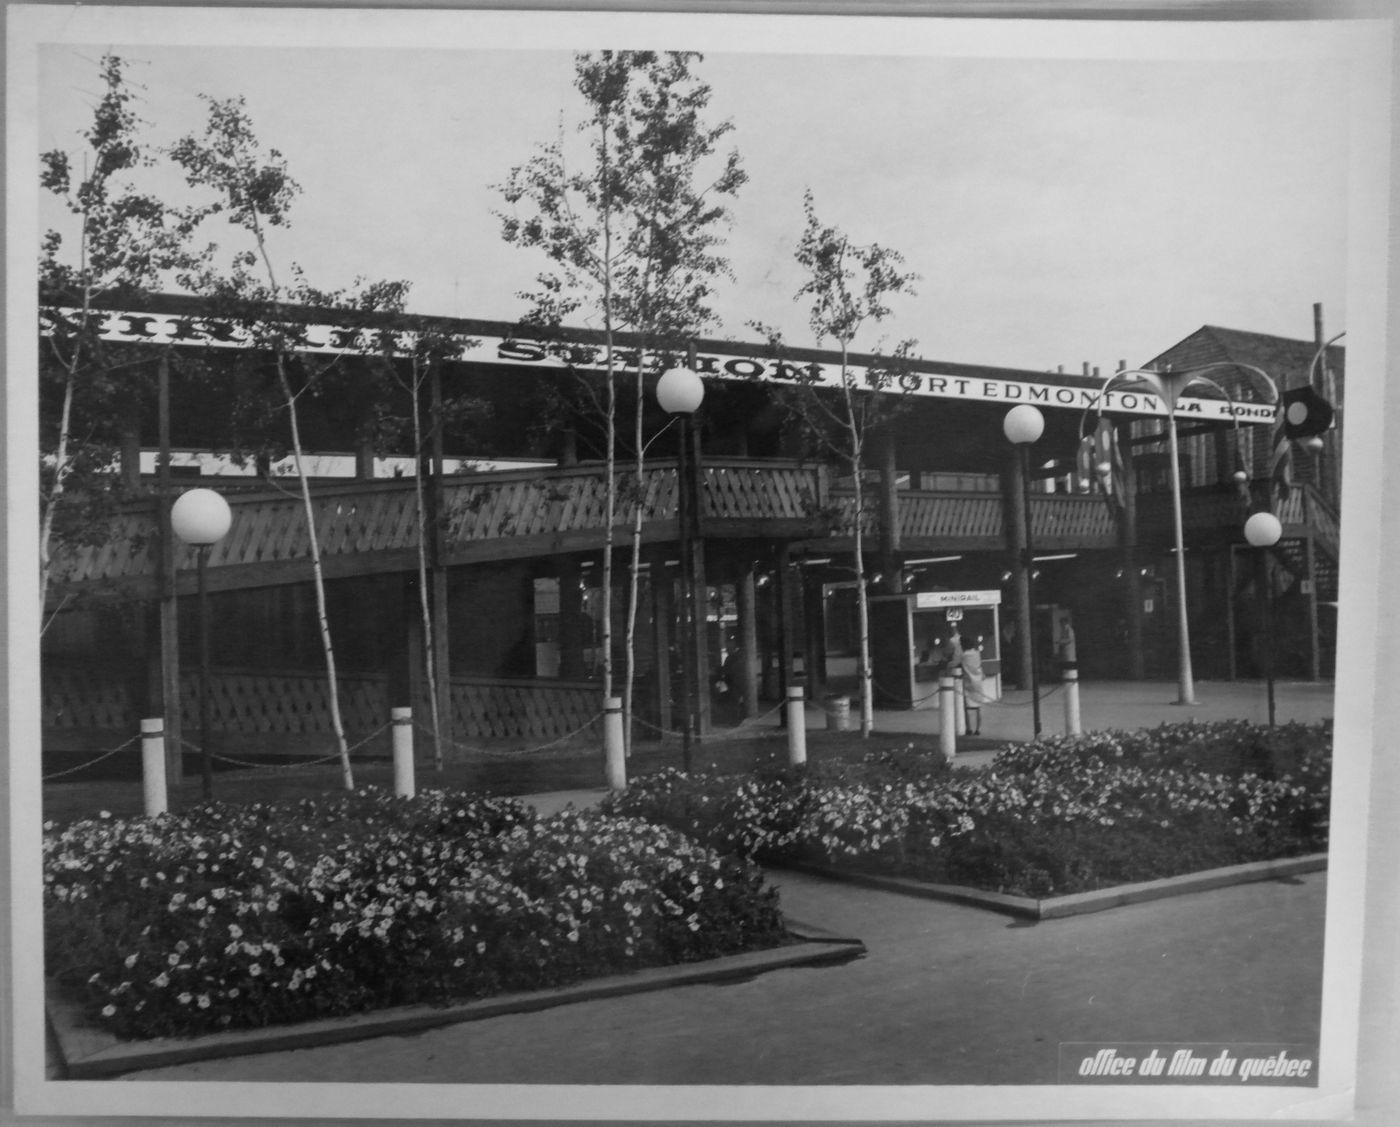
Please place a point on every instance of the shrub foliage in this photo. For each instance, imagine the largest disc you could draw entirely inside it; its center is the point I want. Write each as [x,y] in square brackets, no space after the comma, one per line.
[229,917]
[1052,817]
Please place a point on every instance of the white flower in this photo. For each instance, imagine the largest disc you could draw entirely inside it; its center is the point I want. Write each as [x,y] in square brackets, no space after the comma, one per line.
[109,1011]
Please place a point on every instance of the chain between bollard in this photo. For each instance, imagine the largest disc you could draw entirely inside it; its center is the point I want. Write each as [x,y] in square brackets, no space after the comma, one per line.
[91,762]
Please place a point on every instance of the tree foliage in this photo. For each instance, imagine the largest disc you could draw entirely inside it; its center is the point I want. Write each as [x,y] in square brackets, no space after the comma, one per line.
[632,235]
[849,286]
[120,244]
[254,191]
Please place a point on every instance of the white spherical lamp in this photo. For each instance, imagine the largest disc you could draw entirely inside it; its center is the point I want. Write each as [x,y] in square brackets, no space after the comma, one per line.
[200,517]
[680,391]
[1023,424]
[1263,530]
[1240,476]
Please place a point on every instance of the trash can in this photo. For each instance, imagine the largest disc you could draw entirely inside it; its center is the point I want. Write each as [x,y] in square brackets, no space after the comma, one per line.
[838,714]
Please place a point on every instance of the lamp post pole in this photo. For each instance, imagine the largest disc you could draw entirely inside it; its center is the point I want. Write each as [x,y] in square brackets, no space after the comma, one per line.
[1186,684]
[1263,531]
[201,518]
[1023,426]
[680,391]
[1168,387]
[205,757]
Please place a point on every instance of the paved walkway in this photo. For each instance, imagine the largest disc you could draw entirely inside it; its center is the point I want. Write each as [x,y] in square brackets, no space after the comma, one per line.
[1118,704]
[947,995]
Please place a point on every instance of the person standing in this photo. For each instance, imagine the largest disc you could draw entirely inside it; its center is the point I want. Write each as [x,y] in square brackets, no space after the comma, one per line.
[974,685]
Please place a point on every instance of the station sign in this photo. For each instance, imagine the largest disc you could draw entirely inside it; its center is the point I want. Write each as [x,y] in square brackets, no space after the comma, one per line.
[995,386]
[932,600]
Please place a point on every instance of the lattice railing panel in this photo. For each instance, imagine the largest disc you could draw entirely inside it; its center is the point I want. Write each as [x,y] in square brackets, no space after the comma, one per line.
[736,491]
[521,709]
[83,698]
[1081,517]
[285,703]
[951,515]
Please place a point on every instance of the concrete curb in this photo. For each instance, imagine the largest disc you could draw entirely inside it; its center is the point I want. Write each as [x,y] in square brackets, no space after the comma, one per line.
[1081,903]
[88,1053]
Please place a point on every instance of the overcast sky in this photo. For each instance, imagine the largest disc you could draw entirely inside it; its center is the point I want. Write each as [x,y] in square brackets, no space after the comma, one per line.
[1059,210]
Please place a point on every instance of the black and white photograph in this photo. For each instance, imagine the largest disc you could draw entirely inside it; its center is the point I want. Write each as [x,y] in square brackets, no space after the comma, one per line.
[732,565]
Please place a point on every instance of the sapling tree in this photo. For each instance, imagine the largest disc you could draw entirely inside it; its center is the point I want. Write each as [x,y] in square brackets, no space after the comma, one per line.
[410,354]
[120,243]
[849,286]
[254,191]
[632,233]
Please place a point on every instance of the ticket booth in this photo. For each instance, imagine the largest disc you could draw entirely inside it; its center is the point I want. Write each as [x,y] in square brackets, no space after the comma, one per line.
[907,631]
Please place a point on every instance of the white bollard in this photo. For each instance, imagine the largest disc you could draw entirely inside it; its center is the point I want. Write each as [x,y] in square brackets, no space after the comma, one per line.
[959,703]
[402,721]
[153,765]
[614,753]
[947,718]
[796,726]
[1073,724]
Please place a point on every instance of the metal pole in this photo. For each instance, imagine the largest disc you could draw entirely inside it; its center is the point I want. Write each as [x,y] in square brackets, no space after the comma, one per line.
[687,595]
[1267,583]
[1185,687]
[1030,587]
[206,759]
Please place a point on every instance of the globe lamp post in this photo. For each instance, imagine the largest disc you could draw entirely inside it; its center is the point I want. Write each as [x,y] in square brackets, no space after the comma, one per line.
[1023,426]
[679,392]
[1168,387]
[1263,531]
[201,518]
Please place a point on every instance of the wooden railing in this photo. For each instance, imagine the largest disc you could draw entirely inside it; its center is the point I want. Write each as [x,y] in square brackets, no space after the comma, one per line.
[369,527]
[364,527]
[288,711]
[977,520]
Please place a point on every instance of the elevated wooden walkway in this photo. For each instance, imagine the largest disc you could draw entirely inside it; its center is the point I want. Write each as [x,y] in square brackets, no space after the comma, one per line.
[369,527]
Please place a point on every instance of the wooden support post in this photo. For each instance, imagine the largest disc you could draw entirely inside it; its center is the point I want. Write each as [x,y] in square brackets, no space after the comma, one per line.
[1231,632]
[1314,637]
[1127,532]
[746,598]
[571,634]
[664,611]
[787,634]
[700,636]
[814,635]
[1016,544]
[892,582]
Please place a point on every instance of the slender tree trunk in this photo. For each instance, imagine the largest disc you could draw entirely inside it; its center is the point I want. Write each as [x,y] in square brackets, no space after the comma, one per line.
[65,424]
[867,696]
[59,473]
[323,620]
[430,662]
[635,568]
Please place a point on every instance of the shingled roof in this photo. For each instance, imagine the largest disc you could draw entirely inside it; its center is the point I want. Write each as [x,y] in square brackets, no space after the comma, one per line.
[1285,359]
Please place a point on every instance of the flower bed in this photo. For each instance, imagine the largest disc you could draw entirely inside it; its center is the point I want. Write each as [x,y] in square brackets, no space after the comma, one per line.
[229,917]
[1049,818]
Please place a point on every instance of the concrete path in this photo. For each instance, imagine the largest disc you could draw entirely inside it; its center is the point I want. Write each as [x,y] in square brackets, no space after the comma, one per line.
[1118,704]
[946,995]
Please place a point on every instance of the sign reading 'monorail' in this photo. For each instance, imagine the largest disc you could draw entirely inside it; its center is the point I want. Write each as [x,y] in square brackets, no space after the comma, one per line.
[137,328]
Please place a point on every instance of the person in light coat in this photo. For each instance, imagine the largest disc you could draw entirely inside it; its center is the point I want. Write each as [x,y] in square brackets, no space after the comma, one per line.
[974,685]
